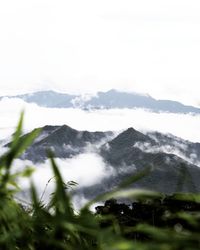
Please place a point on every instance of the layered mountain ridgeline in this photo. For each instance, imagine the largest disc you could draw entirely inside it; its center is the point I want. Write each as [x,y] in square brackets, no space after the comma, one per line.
[49,99]
[64,142]
[157,157]
[105,100]
[117,99]
[132,152]
[171,161]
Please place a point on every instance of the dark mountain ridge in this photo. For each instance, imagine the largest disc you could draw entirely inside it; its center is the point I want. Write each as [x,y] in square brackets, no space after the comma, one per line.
[63,141]
[169,173]
[128,153]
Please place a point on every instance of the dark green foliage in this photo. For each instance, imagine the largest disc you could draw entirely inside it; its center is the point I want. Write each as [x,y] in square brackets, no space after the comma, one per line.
[154,221]
[168,212]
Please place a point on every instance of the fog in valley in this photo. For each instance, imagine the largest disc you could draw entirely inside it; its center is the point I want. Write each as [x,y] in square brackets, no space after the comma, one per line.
[88,168]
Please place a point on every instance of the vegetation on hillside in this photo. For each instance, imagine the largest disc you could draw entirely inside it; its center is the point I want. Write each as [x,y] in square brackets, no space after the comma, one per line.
[154,221]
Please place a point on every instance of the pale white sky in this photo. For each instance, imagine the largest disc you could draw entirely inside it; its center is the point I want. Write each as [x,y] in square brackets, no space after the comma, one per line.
[86,46]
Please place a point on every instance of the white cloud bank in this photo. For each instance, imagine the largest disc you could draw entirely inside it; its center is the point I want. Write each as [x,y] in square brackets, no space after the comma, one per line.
[86,169]
[182,125]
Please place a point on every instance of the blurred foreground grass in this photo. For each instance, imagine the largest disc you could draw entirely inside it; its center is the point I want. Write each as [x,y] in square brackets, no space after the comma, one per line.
[155,221]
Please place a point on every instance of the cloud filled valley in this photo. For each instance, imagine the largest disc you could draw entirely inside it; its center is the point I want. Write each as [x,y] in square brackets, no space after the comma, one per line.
[185,126]
[89,168]
[85,169]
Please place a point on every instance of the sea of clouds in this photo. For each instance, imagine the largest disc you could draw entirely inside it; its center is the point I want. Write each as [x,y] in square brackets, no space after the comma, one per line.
[88,168]
[185,126]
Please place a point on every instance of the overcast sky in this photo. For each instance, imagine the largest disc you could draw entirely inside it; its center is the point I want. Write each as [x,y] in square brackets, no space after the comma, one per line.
[85,46]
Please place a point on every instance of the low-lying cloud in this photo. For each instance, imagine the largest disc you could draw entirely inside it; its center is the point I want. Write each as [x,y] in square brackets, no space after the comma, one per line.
[168,149]
[182,125]
[86,169]
[89,168]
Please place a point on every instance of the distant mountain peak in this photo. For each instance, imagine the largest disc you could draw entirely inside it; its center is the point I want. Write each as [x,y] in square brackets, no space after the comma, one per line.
[129,137]
[111,91]
[66,127]
[130,130]
[112,99]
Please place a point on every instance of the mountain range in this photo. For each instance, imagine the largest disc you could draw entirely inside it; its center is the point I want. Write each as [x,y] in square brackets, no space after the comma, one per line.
[172,163]
[105,100]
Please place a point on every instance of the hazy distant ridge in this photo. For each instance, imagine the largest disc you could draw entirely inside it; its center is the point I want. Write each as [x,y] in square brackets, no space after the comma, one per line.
[106,100]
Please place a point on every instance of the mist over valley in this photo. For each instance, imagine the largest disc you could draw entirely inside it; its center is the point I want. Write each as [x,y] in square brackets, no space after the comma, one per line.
[98,147]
